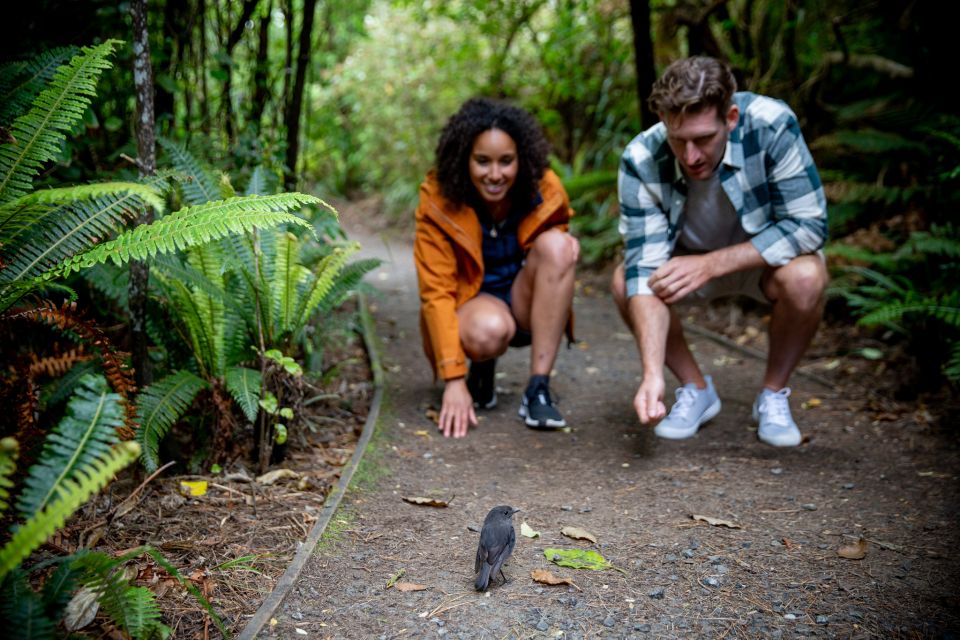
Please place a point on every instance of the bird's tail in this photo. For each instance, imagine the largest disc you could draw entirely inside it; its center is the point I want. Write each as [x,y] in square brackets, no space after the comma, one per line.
[483,578]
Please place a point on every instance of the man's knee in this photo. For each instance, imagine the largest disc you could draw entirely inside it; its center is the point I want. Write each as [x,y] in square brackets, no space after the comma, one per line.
[618,286]
[802,282]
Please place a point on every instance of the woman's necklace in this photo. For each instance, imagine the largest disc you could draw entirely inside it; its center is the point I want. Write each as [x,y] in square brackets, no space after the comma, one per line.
[496,226]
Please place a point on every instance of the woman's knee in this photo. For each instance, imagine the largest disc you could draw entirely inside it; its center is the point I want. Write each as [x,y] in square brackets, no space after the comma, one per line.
[556,247]
[486,335]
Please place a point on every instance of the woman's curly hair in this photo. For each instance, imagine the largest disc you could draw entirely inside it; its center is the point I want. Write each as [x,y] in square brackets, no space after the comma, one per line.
[475,116]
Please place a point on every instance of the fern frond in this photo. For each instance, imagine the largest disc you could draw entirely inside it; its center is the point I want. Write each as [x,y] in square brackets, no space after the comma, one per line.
[262,182]
[159,406]
[200,186]
[85,434]
[39,133]
[245,386]
[60,389]
[952,368]
[323,281]
[895,311]
[288,273]
[59,232]
[133,609]
[112,282]
[189,227]
[23,611]
[59,587]
[347,282]
[867,141]
[172,570]
[22,80]
[9,450]
[70,496]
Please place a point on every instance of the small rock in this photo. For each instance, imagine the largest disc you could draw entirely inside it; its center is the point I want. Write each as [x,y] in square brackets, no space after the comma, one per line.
[427,455]
[746,544]
[437,621]
[642,628]
[670,557]
[687,553]
[609,622]
[809,507]
[710,581]
[823,619]
[776,471]
[713,559]
[656,594]
[722,569]
[848,485]
[694,543]
[789,616]
[566,507]
[856,615]
[542,625]
[586,510]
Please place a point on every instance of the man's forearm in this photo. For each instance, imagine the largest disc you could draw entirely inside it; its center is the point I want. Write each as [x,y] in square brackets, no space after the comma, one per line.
[738,257]
[650,318]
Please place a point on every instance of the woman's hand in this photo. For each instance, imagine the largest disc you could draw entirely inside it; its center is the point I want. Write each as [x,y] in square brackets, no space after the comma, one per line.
[456,414]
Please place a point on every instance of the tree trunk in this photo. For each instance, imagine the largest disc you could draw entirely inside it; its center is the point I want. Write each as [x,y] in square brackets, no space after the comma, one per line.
[260,86]
[232,41]
[201,66]
[643,58]
[295,102]
[147,162]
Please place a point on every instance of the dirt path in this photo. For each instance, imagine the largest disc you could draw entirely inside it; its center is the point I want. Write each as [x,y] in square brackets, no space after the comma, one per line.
[777,575]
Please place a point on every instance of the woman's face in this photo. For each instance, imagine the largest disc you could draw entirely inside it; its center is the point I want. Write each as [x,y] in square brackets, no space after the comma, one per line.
[493,165]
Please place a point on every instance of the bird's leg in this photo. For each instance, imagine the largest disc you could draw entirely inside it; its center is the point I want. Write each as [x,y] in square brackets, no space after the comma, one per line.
[503,576]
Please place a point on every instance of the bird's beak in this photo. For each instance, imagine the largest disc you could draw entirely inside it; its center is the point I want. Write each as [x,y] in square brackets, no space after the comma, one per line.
[515,510]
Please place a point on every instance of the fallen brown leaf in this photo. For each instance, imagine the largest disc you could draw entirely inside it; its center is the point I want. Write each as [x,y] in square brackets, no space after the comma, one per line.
[429,502]
[789,544]
[855,551]
[716,522]
[543,576]
[409,586]
[578,534]
[433,414]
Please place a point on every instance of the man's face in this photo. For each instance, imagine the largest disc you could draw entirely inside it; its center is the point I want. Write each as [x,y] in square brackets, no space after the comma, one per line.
[698,139]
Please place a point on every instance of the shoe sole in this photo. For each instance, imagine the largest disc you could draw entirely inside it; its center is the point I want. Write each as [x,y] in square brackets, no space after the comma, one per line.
[710,413]
[540,424]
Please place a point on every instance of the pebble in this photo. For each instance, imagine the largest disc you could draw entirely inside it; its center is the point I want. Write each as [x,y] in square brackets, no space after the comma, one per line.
[642,628]
[427,455]
[687,553]
[542,625]
[670,557]
[776,471]
[823,619]
[711,581]
[566,507]
[656,594]
[809,507]
[609,622]
[586,510]
[848,485]
[296,615]
[789,616]
[437,621]
[473,527]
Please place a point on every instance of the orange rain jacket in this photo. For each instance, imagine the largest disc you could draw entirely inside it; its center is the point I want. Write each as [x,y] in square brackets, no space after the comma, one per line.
[448,252]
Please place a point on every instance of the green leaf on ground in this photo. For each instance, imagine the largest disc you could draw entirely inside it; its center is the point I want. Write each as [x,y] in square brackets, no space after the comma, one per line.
[527,531]
[578,559]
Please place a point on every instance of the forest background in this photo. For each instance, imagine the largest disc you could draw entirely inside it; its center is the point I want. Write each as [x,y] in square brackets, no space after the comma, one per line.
[344,100]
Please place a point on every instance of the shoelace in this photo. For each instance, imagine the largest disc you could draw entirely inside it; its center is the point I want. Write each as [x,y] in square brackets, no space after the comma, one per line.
[686,398]
[776,407]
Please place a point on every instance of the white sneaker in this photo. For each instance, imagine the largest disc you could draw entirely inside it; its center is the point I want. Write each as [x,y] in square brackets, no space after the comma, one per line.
[772,411]
[693,407]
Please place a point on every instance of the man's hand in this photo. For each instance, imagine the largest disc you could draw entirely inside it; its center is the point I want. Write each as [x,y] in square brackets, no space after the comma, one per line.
[649,401]
[680,276]
[456,413]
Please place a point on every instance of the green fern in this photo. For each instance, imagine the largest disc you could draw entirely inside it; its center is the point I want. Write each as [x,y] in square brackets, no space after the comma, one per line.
[262,182]
[198,185]
[22,80]
[133,609]
[245,387]
[9,450]
[323,281]
[39,133]
[73,493]
[288,273]
[159,406]
[86,433]
[187,227]
[24,610]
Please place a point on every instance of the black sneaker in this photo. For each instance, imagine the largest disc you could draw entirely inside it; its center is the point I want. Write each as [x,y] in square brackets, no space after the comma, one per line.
[482,385]
[537,410]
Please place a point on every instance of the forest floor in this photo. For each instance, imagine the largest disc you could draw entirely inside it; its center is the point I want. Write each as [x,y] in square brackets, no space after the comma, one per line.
[874,477]
[716,536]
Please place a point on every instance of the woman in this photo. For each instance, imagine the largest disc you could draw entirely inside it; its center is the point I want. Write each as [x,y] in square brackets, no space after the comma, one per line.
[494,261]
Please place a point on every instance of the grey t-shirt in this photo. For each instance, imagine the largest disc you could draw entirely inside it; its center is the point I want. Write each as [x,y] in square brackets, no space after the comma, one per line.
[711,222]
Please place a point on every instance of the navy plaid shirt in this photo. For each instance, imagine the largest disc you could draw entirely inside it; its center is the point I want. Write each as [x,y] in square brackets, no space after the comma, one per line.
[767,172]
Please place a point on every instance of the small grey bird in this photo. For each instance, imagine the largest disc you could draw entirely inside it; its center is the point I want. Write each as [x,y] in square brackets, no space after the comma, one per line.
[497,539]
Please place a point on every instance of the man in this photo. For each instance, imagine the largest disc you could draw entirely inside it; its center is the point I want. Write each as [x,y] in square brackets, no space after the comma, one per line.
[719,198]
